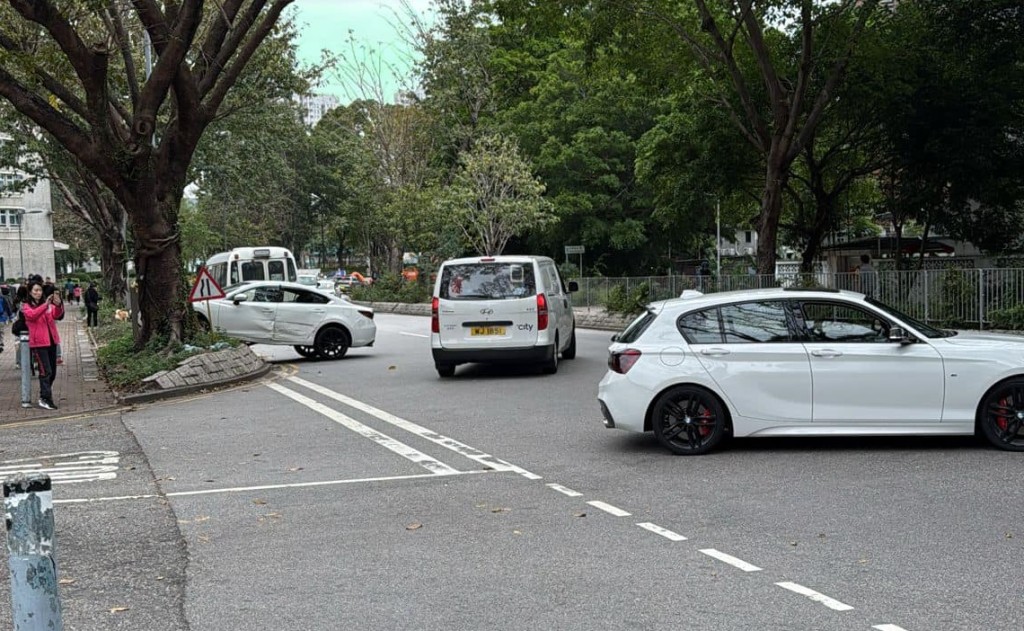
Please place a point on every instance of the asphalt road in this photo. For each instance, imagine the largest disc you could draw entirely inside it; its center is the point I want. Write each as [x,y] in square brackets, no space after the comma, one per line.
[368,493]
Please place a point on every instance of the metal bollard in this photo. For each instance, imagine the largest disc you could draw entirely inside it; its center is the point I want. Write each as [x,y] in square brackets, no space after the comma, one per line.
[26,370]
[28,507]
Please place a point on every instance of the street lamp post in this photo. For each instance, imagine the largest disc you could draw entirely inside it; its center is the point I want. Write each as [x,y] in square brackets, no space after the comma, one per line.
[718,241]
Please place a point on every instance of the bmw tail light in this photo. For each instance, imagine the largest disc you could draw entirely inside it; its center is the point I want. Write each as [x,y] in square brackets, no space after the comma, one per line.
[435,319]
[367,314]
[622,361]
[542,312]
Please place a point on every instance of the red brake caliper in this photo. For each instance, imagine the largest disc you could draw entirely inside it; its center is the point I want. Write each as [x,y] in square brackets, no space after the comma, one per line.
[1004,421]
[705,420]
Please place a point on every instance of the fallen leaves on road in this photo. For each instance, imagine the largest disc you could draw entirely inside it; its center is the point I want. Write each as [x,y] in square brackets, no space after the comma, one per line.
[293,469]
[66,581]
[118,609]
[259,502]
[579,514]
[414,526]
[263,518]
[500,509]
[392,367]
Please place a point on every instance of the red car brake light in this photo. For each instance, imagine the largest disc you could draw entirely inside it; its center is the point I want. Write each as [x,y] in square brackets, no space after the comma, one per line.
[622,361]
[435,320]
[542,312]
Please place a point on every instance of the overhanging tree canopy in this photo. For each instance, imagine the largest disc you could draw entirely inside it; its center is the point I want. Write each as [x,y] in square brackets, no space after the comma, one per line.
[75,69]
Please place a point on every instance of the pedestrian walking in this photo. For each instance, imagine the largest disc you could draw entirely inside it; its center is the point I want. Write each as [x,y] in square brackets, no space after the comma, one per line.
[41,315]
[868,276]
[77,293]
[92,306]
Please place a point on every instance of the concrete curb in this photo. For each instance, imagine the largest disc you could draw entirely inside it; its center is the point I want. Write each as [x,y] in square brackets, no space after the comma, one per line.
[170,393]
[586,318]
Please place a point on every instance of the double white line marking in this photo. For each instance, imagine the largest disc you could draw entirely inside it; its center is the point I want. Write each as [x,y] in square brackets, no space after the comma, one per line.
[434,466]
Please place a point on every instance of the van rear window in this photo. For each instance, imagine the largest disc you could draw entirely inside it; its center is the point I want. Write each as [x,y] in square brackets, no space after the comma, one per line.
[487,281]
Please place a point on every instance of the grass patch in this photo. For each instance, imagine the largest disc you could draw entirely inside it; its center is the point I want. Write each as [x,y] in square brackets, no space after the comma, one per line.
[124,368]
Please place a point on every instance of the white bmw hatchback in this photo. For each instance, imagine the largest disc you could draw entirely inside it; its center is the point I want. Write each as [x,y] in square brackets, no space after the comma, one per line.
[797,362]
[317,324]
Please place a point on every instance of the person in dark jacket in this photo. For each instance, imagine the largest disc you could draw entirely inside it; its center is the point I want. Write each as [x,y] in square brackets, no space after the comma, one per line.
[92,305]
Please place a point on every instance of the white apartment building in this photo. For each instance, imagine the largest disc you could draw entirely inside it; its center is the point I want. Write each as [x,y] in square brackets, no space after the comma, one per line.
[314,106]
[26,229]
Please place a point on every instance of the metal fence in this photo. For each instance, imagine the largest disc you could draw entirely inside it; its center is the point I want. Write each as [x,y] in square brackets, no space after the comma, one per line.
[949,297]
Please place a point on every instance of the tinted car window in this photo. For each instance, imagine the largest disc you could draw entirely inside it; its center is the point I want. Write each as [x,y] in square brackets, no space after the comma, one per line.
[252,271]
[834,322]
[701,327]
[303,297]
[755,322]
[487,281]
[636,328]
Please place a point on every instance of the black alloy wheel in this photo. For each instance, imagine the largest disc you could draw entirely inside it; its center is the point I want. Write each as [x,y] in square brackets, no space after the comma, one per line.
[688,421]
[309,352]
[1002,415]
[332,343]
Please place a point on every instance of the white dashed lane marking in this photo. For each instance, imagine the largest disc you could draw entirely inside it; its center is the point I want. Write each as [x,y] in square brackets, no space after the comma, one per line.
[564,490]
[664,532]
[888,627]
[817,597]
[608,508]
[412,334]
[731,560]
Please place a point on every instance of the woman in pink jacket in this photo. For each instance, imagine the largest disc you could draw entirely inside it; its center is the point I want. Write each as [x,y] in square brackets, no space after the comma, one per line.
[41,315]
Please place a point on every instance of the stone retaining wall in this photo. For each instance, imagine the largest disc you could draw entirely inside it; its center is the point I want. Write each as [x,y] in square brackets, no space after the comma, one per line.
[207,368]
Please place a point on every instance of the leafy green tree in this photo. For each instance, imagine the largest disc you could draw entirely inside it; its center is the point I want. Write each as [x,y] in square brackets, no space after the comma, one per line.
[76,70]
[954,144]
[494,195]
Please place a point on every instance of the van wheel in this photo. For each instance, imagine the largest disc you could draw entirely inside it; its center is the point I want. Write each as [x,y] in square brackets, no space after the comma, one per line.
[445,370]
[332,343]
[550,365]
[570,351]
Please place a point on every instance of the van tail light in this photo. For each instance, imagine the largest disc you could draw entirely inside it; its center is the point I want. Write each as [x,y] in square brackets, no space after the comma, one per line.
[622,361]
[435,319]
[542,312]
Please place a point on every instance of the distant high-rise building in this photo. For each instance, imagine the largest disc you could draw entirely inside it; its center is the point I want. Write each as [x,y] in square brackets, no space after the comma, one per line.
[314,106]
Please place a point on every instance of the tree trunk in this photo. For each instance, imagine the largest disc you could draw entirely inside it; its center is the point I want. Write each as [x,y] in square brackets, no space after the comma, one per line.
[112,261]
[771,211]
[158,267]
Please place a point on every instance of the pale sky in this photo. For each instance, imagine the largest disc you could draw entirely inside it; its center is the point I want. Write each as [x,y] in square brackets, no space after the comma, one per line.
[325,24]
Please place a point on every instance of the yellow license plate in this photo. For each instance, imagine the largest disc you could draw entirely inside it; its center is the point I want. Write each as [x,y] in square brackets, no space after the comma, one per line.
[487,330]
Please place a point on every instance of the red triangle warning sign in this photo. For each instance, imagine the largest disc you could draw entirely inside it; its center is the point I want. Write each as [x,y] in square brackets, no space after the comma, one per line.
[205,288]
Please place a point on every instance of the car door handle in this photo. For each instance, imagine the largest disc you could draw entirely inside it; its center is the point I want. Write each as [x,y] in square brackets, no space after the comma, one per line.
[714,352]
[826,352]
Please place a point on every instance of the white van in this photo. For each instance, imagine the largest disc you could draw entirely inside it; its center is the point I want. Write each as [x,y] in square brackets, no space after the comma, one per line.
[245,264]
[501,309]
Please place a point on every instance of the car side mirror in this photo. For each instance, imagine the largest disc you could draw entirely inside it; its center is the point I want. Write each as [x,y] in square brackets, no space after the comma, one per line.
[615,338]
[239,298]
[573,286]
[899,335]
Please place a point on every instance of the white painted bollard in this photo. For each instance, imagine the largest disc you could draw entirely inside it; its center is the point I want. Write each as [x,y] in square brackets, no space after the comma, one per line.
[25,355]
[28,508]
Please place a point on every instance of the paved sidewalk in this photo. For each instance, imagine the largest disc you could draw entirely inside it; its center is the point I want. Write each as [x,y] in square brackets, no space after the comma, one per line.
[78,387]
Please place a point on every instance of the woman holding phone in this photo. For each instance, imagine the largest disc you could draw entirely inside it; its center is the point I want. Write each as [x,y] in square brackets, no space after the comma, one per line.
[41,315]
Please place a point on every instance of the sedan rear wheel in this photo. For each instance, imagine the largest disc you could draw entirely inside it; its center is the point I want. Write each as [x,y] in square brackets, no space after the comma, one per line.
[1002,415]
[332,343]
[309,352]
[688,421]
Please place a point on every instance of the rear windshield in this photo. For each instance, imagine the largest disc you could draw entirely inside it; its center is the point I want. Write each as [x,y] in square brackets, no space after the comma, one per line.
[637,328]
[487,281]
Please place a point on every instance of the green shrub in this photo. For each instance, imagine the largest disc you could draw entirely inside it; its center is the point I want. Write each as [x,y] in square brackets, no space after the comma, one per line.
[1011,318]
[392,288]
[631,302]
[124,368]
